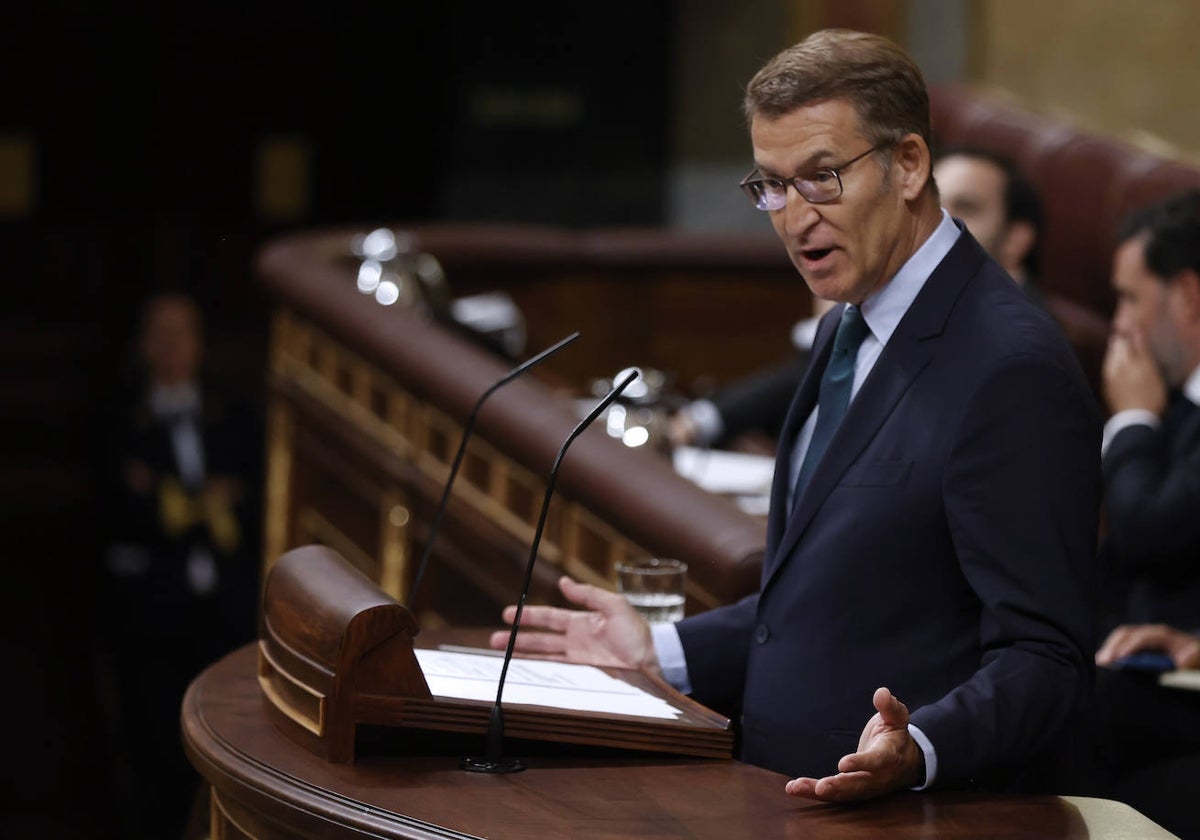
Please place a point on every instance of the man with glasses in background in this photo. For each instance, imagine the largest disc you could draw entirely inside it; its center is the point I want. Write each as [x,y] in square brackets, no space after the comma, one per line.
[934,510]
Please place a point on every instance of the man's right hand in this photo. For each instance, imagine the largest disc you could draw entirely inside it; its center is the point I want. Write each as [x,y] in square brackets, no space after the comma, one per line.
[607,632]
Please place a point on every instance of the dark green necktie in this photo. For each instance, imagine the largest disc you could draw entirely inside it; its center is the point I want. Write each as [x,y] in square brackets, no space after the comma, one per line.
[834,396]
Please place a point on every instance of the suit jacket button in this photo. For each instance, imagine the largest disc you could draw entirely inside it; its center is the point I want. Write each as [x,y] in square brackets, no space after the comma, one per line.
[761,634]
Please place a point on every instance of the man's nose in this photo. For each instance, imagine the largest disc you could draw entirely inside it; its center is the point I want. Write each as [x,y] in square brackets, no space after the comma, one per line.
[800,214]
[1122,322]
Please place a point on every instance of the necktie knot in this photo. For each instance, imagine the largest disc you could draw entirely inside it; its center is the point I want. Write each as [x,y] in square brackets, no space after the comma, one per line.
[834,395]
[851,332]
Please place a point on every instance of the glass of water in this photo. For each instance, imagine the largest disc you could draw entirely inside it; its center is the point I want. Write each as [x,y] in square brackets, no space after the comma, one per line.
[654,587]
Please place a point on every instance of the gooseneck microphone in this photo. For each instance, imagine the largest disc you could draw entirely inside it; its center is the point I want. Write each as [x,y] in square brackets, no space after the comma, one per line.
[468,425]
[493,761]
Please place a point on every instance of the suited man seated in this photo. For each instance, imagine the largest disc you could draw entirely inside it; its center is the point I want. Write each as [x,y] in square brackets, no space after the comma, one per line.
[1151,452]
[924,615]
[1151,462]
[982,189]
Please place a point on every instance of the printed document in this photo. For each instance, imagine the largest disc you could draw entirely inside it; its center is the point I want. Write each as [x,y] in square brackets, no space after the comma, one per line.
[464,675]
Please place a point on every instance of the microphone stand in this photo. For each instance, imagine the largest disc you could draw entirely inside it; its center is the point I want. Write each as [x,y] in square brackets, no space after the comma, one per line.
[468,425]
[494,761]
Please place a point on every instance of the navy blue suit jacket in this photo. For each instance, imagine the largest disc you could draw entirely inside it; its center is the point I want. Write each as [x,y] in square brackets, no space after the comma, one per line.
[944,548]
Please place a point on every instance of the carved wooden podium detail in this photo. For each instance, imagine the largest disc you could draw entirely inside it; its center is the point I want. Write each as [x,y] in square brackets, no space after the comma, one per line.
[336,652]
[329,637]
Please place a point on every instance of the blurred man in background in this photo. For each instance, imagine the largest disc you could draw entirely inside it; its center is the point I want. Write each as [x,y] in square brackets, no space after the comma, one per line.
[998,204]
[1151,441]
[182,519]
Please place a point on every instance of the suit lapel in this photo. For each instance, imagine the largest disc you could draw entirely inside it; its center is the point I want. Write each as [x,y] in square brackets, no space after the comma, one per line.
[907,353]
[802,406]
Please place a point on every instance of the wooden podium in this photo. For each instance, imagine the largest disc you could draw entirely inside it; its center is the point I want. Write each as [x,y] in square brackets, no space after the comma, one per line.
[264,785]
[337,653]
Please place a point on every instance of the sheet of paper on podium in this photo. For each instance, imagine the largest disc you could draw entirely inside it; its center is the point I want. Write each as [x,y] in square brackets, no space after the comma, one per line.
[558,701]
[466,675]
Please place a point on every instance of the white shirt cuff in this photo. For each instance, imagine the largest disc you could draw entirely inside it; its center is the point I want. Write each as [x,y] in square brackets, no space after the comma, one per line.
[930,755]
[669,651]
[1123,420]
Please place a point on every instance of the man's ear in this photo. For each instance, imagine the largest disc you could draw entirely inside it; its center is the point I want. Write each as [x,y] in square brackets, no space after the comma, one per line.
[1019,239]
[912,155]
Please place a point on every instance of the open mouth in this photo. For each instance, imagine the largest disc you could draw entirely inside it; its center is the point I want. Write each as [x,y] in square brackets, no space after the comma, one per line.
[816,254]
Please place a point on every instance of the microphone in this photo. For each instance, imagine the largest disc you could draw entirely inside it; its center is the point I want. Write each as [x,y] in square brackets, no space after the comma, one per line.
[494,762]
[462,449]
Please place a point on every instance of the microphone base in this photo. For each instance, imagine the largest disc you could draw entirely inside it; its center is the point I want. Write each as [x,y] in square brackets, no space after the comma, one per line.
[492,765]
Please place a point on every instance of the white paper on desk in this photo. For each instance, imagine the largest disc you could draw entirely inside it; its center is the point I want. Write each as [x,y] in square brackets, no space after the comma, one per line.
[1181,678]
[560,685]
[719,471]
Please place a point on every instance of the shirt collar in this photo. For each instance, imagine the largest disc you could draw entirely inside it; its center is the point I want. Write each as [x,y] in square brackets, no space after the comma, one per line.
[172,400]
[1191,387]
[883,310]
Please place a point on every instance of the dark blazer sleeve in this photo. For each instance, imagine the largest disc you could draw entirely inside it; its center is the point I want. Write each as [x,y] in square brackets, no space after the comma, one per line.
[1024,535]
[1152,501]
[718,640]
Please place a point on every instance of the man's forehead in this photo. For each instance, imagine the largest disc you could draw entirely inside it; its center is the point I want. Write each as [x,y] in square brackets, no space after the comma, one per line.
[978,169]
[1129,261]
[814,134]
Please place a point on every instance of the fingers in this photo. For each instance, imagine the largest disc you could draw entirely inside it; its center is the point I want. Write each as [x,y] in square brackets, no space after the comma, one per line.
[1109,651]
[588,596]
[887,759]
[556,619]
[893,713]
[529,642]
[1132,638]
[803,787]
[844,787]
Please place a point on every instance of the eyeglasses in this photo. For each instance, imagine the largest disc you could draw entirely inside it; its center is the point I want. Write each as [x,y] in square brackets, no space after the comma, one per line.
[818,187]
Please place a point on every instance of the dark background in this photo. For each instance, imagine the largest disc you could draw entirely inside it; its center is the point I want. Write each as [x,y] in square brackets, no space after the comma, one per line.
[146,119]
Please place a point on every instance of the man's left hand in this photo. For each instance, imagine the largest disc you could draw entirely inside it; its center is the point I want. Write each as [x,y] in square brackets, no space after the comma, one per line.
[888,759]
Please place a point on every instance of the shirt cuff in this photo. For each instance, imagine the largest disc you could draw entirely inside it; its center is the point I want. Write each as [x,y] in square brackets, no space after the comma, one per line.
[1123,420]
[930,756]
[669,650]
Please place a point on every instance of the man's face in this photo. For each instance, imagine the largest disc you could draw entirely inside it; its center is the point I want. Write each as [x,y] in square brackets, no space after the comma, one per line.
[1144,308]
[848,248]
[171,341]
[972,190]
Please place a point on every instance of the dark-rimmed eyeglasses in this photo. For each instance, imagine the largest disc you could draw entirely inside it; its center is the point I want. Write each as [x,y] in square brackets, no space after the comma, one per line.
[820,186]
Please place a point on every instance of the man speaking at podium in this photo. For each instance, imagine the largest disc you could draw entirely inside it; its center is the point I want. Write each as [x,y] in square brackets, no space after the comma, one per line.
[934,512]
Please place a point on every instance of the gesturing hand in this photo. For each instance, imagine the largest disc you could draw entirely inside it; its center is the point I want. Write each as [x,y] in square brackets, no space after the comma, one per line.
[888,759]
[606,632]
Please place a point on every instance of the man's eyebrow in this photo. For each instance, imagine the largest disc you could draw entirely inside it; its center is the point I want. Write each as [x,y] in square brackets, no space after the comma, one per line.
[820,159]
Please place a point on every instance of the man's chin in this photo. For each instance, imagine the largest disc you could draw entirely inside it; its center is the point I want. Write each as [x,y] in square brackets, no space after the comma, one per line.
[827,287]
